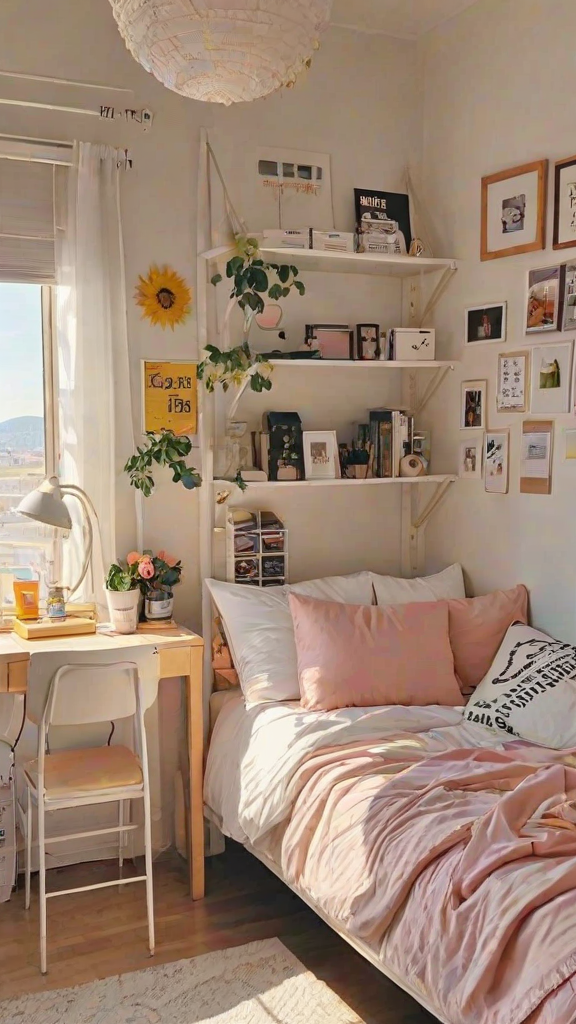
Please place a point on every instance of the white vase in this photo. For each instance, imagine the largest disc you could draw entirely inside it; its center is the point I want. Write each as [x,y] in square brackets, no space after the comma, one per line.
[123,606]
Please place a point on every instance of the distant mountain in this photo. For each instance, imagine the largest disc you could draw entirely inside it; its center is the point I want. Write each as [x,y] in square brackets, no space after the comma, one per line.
[22,433]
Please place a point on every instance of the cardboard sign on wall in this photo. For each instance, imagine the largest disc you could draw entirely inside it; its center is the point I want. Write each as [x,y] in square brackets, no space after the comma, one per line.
[169,399]
[536,457]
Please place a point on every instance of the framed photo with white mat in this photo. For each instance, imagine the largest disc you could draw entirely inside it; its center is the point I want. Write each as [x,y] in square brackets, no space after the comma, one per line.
[514,211]
[471,454]
[551,378]
[496,461]
[564,236]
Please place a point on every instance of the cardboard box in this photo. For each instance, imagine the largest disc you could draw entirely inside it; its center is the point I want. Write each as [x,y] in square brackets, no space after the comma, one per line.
[291,238]
[411,344]
[334,241]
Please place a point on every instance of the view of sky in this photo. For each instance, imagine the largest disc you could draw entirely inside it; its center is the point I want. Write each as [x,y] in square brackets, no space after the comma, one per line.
[21,391]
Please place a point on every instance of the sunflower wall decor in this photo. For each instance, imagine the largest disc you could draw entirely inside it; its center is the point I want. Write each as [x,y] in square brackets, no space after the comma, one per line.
[164,297]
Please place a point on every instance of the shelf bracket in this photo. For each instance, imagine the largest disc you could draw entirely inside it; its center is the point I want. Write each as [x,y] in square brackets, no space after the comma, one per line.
[437,293]
[414,525]
[430,390]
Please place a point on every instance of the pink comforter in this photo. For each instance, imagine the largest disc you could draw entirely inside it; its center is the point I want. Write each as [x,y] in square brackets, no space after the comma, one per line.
[458,869]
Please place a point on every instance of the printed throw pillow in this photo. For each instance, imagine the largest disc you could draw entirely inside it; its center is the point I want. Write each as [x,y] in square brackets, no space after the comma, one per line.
[529,691]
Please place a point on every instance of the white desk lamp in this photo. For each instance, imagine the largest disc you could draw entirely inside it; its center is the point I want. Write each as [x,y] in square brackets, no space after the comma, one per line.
[46,505]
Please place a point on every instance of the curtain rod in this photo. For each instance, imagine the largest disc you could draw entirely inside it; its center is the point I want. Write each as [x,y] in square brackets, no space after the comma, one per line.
[143,117]
[63,81]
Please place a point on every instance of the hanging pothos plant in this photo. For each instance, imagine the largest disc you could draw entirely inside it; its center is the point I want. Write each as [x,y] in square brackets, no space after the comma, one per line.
[164,449]
[252,279]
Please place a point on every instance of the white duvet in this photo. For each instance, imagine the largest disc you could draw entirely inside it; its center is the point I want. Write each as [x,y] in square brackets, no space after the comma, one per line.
[255,751]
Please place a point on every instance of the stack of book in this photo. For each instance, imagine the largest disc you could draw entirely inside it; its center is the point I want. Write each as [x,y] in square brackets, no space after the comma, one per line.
[391,438]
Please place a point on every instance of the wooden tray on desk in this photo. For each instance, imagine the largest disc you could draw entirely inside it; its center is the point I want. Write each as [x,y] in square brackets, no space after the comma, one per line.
[156,627]
[43,629]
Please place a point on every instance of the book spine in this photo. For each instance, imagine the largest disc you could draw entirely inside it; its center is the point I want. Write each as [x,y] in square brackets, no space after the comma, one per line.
[386,453]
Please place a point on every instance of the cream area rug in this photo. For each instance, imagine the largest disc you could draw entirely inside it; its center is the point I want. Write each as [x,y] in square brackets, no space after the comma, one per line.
[260,983]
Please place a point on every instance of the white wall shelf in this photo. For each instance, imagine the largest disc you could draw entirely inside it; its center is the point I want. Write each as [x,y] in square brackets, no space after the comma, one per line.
[434,479]
[369,364]
[358,262]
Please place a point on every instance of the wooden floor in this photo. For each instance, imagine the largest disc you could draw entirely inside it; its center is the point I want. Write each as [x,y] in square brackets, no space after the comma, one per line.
[96,934]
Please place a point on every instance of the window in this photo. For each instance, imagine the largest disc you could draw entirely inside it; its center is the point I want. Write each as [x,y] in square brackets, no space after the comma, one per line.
[27,431]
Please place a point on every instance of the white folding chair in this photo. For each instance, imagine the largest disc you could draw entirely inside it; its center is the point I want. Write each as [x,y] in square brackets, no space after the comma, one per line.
[83,694]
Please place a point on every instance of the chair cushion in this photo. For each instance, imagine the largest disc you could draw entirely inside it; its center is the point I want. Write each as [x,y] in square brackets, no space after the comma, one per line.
[84,771]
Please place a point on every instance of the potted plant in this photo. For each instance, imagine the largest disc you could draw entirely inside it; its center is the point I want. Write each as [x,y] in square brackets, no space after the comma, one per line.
[123,596]
[158,575]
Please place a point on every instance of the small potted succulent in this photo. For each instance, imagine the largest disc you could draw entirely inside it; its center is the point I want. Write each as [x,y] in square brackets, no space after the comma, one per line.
[158,575]
[123,592]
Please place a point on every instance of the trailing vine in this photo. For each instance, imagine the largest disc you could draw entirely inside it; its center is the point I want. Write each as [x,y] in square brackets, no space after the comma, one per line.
[163,449]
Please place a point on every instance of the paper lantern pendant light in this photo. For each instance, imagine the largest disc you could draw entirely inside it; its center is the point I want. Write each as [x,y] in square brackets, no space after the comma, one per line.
[226,51]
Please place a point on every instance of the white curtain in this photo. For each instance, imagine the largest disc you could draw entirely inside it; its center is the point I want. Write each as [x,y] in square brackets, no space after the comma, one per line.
[96,433]
[95,414]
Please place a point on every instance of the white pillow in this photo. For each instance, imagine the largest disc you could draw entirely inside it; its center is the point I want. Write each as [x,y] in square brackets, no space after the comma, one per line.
[443,586]
[530,690]
[259,628]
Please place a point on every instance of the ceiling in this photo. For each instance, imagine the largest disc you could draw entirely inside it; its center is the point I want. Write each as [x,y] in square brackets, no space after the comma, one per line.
[405,18]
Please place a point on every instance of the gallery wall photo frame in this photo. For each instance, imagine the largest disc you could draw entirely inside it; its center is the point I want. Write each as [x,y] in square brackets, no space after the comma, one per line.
[513,211]
[564,230]
[473,405]
[551,378]
[496,461]
[569,298]
[485,324]
[471,458]
[513,387]
[545,299]
[536,457]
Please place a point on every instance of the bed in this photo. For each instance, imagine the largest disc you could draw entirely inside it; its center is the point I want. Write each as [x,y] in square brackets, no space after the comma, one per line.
[385,818]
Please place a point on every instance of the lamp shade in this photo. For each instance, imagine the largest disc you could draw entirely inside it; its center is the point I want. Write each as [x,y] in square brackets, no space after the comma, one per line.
[222,53]
[46,505]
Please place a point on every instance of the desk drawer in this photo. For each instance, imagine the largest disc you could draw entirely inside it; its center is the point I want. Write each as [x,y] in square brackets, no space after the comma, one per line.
[14,676]
[174,661]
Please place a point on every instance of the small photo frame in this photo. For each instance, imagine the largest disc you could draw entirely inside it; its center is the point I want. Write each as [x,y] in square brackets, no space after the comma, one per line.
[473,411]
[551,378]
[486,324]
[514,211]
[471,453]
[570,445]
[496,460]
[321,457]
[368,341]
[273,567]
[544,301]
[564,235]
[513,382]
[569,303]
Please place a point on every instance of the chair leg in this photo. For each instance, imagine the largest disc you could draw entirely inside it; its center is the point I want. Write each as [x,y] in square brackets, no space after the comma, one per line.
[42,880]
[149,883]
[28,851]
[121,822]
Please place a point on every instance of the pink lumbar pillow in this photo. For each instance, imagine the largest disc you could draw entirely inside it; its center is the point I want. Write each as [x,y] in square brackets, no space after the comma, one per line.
[361,656]
[478,626]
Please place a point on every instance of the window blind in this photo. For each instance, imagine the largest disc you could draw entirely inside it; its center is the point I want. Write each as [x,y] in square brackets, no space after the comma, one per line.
[26,222]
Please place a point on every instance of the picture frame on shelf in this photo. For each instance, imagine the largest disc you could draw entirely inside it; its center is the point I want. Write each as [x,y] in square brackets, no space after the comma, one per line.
[544,299]
[321,456]
[513,207]
[485,324]
[496,461]
[471,456]
[551,378]
[569,298]
[513,381]
[473,405]
[564,231]
[368,342]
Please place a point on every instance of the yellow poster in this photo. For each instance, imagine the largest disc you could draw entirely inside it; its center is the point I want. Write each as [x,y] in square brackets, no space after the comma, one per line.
[169,399]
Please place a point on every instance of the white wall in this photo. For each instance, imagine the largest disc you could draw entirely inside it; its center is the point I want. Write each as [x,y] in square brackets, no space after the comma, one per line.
[360,102]
[497,94]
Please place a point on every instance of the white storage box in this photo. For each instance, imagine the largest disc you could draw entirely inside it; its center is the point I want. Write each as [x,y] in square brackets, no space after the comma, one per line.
[412,343]
[7,823]
[333,241]
[291,238]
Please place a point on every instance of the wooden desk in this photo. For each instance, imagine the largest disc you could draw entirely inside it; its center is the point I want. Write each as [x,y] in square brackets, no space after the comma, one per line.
[180,654]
